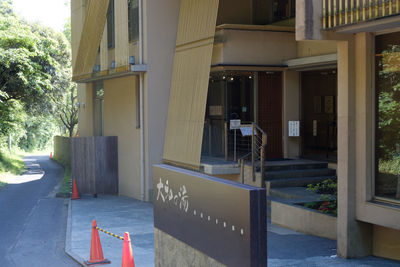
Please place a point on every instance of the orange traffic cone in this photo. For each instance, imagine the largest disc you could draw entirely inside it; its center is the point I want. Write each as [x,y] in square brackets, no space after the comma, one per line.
[96,252]
[75,194]
[127,254]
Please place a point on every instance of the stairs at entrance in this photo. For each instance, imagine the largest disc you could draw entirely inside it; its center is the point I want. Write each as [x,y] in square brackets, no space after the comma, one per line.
[296,173]
[286,180]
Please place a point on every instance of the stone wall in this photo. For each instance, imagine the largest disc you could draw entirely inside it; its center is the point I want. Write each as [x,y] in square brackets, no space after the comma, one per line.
[169,251]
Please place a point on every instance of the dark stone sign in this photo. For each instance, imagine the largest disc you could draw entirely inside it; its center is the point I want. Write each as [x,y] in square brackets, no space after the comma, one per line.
[222,219]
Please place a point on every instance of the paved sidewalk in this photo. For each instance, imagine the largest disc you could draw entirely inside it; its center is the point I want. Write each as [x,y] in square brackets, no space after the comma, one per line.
[116,215]
[123,214]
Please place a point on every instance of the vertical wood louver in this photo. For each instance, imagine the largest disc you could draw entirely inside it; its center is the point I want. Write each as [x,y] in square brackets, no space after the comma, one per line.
[92,32]
[336,13]
[189,86]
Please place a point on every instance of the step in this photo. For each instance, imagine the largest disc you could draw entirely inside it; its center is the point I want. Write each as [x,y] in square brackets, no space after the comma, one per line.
[294,193]
[272,175]
[294,165]
[301,181]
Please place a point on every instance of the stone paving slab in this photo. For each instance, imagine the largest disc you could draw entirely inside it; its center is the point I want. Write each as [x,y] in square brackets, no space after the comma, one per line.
[119,214]
[116,215]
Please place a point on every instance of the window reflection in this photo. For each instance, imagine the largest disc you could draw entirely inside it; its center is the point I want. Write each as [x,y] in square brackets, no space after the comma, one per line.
[387,180]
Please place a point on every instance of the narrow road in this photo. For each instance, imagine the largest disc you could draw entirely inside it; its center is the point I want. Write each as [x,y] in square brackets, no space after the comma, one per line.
[32,219]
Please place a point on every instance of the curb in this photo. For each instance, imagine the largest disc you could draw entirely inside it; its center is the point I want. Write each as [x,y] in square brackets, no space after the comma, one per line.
[68,249]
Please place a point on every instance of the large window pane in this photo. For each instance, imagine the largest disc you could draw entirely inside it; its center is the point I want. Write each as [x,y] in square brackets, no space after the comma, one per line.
[387,181]
[133,20]
[110,25]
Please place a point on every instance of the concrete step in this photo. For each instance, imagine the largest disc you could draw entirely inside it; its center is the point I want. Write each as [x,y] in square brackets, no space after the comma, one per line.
[298,194]
[294,165]
[284,174]
[301,181]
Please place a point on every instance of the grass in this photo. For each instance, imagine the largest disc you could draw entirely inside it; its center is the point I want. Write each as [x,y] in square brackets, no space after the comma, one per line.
[11,164]
[65,188]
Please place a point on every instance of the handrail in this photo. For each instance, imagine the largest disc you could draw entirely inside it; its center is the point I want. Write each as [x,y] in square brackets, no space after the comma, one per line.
[258,143]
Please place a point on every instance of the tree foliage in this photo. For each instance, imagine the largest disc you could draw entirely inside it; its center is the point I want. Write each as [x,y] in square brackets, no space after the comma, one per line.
[36,92]
[388,132]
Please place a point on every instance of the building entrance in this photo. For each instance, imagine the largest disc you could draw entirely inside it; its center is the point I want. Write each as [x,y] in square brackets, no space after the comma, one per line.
[319,114]
[233,96]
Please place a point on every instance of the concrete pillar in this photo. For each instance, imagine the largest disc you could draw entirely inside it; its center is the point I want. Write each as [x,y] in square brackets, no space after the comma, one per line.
[85,110]
[308,19]
[291,112]
[353,237]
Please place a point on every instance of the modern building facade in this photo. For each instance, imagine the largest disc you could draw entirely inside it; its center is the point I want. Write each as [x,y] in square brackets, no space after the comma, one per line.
[367,38]
[124,92]
[167,77]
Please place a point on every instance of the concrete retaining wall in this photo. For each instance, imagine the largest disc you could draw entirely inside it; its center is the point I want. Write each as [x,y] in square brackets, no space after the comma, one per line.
[62,149]
[304,220]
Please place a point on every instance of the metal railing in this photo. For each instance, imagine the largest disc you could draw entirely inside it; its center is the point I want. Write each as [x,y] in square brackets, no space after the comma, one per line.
[257,154]
[345,12]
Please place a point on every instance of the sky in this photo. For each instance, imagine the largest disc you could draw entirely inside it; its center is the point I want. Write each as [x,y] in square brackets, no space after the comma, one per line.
[51,13]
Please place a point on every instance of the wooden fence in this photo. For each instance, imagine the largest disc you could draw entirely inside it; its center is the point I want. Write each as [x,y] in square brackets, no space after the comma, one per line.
[95,164]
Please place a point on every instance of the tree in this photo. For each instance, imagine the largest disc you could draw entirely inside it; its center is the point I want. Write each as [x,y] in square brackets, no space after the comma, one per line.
[35,80]
[66,102]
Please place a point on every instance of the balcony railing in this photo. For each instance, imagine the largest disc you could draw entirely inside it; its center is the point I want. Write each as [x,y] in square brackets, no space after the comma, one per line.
[345,12]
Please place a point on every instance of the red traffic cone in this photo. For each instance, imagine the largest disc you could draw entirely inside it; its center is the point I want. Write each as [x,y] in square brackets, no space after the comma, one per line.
[75,194]
[96,252]
[127,254]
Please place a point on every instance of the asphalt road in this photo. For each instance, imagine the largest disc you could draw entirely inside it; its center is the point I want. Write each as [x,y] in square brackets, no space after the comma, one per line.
[32,219]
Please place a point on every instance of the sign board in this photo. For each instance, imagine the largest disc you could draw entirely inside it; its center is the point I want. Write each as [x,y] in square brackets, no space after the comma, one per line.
[224,220]
[246,130]
[234,124]
[315,127]
[215,110]
[294,128]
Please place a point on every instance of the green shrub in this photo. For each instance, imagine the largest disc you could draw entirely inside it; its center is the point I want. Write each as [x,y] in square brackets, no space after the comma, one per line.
[328,200]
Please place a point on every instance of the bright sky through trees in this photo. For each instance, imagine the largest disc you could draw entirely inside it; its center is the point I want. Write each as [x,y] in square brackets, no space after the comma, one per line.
[51,13]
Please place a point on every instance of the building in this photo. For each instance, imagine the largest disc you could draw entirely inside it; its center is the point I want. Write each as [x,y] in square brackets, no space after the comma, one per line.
[124,70]
[367,38]
[167,79]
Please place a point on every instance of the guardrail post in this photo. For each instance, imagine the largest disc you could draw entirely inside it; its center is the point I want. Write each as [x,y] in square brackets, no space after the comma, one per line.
[253,151]
[226,140]
[262,156]
[241,164]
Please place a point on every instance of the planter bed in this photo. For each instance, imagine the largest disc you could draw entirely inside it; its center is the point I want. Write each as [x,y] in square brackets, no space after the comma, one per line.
[302,219]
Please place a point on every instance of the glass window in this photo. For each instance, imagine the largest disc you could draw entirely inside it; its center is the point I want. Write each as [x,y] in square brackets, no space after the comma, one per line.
[230,97]
[387,97]
[110,25]
[274,11]
[133,20]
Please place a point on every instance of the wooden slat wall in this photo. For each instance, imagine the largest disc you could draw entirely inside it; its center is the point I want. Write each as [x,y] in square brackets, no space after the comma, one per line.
[78,9]
[92,32]
[104,64]
[121,33]
[94,164]
[188,96]
[343,12]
